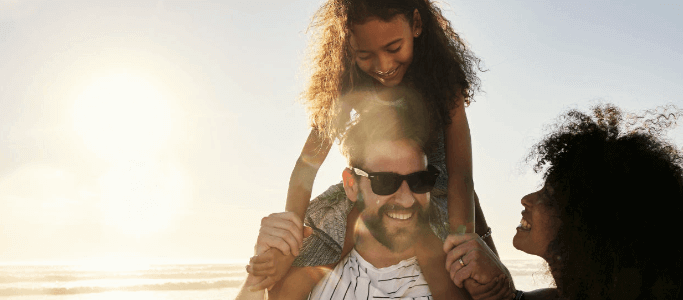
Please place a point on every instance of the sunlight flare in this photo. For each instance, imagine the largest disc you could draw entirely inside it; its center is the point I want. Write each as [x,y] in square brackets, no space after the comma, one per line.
[121,116]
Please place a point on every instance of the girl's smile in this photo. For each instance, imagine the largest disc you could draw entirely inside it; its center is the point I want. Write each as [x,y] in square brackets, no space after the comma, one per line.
[384,50]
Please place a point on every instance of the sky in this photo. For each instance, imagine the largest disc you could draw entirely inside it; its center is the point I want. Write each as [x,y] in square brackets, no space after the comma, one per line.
[165,130]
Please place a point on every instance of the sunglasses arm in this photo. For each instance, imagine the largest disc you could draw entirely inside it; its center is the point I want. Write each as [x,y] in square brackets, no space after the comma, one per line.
[360,172]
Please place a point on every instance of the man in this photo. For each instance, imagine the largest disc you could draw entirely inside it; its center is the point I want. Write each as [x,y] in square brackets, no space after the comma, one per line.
[389,180]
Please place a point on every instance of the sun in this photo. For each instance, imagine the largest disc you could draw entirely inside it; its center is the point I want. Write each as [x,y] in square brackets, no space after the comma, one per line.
[122,115]
[126,120]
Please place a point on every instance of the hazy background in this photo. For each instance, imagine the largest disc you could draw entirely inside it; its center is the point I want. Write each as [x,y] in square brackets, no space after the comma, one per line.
[164,130]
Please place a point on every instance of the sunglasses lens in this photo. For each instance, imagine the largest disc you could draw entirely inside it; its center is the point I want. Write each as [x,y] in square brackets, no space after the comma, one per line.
[385,184]
[421,182]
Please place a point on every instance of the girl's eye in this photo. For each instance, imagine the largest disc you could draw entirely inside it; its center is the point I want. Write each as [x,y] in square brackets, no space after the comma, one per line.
[364,57]
[394,50]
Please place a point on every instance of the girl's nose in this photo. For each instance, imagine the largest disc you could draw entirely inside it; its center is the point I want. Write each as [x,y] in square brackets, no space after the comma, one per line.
[383,64]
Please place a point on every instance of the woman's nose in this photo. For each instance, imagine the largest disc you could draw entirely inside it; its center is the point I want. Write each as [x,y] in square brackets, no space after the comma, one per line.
[530,199]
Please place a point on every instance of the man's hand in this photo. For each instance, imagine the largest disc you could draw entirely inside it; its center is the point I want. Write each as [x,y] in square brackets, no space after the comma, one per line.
[283,231]
[278,243]
[469,257]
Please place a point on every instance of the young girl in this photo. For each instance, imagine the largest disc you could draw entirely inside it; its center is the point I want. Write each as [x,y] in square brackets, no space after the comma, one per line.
[377,45]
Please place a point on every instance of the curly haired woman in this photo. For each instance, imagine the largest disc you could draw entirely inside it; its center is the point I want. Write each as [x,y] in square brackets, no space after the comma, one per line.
[612,198]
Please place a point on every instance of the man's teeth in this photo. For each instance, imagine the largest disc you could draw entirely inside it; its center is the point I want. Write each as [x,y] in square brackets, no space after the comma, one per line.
[525,224]
[400,216]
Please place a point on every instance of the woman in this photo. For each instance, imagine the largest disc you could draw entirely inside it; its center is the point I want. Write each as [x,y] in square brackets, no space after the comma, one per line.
[603,220]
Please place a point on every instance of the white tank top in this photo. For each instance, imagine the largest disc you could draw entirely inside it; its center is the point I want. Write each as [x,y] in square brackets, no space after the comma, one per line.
[355,278]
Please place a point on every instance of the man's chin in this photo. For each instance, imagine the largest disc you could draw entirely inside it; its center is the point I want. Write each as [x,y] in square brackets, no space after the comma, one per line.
[398,239]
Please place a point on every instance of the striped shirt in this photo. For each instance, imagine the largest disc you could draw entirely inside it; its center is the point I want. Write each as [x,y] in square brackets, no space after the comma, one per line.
[355,278]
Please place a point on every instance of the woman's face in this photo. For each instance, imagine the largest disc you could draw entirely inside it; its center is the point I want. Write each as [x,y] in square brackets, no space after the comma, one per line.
[384,50]
[539,224]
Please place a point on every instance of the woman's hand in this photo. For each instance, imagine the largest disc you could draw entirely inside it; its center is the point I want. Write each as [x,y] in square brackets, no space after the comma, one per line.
[469,257]
[499,288]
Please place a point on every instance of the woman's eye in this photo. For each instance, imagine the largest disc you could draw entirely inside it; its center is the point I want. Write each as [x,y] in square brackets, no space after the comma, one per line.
[365,57]
[394,50]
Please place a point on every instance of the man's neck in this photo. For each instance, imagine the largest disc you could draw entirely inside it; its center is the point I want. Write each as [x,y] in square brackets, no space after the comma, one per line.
[375,252]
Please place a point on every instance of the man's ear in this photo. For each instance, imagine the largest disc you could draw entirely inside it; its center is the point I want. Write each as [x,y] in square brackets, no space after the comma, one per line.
[350,184]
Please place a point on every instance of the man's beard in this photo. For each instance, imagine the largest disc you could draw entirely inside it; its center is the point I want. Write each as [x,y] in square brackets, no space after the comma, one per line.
[397,241]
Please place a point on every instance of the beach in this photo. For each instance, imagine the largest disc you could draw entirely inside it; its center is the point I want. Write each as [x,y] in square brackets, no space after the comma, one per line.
[164,281]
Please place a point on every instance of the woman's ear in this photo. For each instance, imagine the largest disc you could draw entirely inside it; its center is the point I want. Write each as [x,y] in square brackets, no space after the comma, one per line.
[350,184]
[417,23]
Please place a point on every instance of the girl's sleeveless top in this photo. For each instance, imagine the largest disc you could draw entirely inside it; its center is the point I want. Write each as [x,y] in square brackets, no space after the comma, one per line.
[327,213]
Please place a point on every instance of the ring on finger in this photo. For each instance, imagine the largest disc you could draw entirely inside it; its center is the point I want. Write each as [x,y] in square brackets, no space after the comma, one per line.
[461,262]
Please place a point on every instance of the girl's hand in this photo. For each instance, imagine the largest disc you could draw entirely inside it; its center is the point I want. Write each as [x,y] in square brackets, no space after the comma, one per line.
[272,265]
[469,257]
[283,231]
[272,262]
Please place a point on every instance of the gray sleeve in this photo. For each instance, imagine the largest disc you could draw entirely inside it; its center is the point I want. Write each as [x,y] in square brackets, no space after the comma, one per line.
[327,215]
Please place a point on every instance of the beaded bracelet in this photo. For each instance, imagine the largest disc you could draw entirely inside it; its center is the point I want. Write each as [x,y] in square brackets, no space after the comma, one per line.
[487,234]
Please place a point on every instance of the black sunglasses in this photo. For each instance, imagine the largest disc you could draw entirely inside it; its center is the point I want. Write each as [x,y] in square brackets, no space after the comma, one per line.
[387,183]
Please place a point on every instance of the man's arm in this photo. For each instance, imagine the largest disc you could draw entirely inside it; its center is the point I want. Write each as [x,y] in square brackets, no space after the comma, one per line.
[432,260]
[246,294]
[298,283]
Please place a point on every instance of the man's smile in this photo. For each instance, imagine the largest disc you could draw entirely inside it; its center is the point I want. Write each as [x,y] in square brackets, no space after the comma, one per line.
[400,214]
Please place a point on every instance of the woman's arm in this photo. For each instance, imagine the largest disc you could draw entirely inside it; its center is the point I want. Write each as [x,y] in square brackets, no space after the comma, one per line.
[312,156]
[461,211]
[541,294]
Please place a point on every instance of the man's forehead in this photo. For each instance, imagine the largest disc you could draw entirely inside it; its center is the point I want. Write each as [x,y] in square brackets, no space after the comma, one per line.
[395,156]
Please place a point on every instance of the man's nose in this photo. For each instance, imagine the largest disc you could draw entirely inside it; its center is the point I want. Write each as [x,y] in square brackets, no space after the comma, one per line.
[404,196]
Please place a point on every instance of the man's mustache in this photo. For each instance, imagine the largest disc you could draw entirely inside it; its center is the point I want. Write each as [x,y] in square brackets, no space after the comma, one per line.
[395,207]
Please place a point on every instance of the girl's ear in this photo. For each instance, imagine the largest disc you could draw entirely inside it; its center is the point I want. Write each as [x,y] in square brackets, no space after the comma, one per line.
[417,23]
[350,184]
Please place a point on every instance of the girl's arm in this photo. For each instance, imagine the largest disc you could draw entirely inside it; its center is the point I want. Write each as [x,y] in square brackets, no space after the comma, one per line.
[464,211]
[312,156]
[276,230]
[459,164]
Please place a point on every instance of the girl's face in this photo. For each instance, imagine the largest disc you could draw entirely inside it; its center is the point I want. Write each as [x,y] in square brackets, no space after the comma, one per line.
[538,226]
[384,50]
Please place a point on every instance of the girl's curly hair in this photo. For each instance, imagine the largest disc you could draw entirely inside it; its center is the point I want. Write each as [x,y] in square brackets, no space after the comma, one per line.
[617,187]
[443,67]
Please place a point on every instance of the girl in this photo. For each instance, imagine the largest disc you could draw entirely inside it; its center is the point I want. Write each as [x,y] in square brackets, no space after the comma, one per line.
[376,45]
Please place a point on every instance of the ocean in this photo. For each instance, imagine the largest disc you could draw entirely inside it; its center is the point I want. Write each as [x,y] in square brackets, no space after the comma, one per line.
[164,281]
